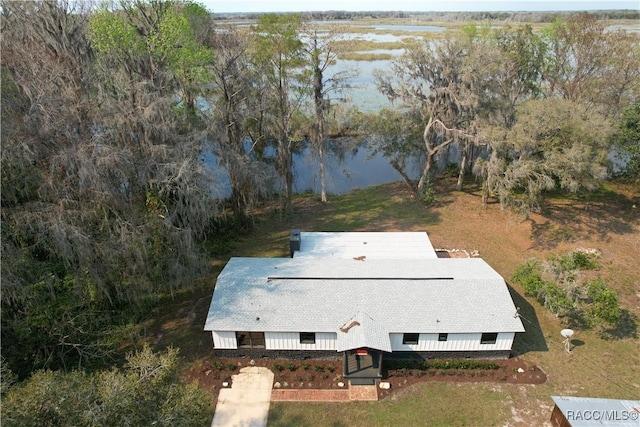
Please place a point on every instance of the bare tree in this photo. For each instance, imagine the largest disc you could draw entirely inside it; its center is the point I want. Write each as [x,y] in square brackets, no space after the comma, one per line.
[591,64]
[322,48]
[232,111]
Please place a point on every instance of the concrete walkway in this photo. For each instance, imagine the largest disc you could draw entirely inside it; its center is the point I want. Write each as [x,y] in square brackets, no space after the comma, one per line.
[246,403]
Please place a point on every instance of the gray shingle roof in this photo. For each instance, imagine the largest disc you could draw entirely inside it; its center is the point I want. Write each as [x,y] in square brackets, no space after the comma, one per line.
[366,245]
[427,296]
[363,331]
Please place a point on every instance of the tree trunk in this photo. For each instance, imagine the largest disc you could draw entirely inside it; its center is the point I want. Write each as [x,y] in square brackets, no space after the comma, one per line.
[463,166]
[485,193]
[405,178]
[323,179]
[318,137]
[426,171]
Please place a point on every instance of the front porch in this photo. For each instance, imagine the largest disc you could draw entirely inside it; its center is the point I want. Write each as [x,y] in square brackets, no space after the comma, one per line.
[362,366]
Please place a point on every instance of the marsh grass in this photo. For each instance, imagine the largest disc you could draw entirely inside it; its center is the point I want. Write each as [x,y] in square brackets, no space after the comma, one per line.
[364,45]
[360,56]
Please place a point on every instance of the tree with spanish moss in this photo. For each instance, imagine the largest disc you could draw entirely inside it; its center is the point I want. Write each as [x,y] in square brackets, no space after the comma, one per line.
[278,58]
[104,191]
[430,78]
[321,49]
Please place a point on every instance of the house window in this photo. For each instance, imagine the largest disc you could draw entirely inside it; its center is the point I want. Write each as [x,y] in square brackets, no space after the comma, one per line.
[307,337]
[488,338]
[442,337]
[250,339]
[410,338]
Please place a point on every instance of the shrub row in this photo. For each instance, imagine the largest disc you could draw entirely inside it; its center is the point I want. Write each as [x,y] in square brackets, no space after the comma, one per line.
[277,367]
[423,365]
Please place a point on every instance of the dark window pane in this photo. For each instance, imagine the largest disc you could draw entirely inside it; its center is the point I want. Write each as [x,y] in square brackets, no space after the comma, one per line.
[307,338]
[250,339]
[410,338]
[243,339]
[257,339]
[488,338]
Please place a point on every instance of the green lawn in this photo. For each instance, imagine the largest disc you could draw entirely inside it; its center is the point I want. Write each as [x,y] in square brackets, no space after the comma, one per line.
[433,404]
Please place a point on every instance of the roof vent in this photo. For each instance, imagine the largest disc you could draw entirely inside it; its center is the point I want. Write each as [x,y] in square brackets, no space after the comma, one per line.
[294,241]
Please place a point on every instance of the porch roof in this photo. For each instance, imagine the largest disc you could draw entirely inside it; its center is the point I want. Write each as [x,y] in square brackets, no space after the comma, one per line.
[363,331]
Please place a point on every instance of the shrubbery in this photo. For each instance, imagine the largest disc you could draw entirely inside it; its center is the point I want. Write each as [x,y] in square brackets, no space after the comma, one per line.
[585,303]
[147,391]
[445,364]
[604,305]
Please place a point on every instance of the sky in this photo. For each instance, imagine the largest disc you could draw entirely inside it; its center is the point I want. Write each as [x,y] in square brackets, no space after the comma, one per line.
[224,6]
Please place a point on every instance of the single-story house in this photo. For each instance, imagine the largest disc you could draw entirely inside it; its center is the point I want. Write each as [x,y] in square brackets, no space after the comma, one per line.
[570,411]
[362,295]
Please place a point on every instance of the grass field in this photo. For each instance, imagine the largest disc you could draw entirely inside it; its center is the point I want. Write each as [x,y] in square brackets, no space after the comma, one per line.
[598,367]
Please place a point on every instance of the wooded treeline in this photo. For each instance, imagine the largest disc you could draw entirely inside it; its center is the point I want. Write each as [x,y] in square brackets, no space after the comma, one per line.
[530,112]
[515,16]
[107,112]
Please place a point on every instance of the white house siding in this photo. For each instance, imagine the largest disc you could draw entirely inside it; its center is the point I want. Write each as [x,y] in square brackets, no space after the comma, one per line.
[224,339]
[291,341]
[455,342]
[327,341]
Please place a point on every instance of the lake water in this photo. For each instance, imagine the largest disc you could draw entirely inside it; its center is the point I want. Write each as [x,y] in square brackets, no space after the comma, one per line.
[358,166]
[347,167]
[356,169]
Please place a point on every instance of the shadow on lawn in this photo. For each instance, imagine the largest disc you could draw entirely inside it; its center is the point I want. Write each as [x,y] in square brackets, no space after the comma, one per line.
[627,327]
[533,338]
[574,218]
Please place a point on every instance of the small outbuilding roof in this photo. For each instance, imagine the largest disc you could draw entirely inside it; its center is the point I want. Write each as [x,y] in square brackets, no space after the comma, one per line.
[589,411]
[458,295]
[365,245]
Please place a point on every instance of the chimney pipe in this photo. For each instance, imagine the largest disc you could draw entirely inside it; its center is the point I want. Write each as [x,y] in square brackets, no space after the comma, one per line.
[294,241]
